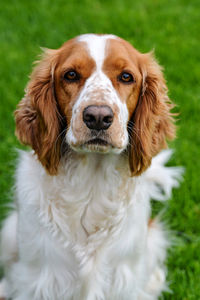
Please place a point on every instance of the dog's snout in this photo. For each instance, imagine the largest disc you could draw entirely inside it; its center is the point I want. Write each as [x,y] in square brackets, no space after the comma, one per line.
[98,117]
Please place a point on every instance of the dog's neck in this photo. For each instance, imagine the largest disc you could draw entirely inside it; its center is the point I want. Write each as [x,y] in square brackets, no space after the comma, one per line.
[93,187]
[94,167]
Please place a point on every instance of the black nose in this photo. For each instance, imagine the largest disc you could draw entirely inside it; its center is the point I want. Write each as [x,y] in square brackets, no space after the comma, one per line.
[98,117]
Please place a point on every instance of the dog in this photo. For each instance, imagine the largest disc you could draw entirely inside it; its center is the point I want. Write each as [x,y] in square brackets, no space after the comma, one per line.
[97,116]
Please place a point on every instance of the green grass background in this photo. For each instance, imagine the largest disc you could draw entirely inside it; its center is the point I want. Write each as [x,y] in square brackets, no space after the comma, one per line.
[170,27]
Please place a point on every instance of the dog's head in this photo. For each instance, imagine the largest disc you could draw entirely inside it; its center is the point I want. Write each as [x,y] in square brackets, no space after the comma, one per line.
[96,94]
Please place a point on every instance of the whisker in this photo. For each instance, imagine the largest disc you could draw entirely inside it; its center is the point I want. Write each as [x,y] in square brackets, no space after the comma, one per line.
[64,148]
[60,134]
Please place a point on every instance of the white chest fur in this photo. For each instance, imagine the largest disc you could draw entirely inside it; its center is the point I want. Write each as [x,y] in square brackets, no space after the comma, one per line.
[83,234]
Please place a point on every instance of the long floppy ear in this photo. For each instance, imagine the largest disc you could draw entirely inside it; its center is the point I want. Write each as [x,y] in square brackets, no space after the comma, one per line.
[152,122]
[37,116]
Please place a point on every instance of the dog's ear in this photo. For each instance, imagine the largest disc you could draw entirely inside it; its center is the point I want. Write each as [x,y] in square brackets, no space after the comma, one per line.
[37,116]
[152,123]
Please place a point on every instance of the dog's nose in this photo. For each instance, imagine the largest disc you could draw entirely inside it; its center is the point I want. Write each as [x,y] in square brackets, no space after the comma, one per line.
[98,117]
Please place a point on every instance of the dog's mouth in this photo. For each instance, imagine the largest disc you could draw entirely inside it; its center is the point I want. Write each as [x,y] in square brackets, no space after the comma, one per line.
[97,145]
[98,142]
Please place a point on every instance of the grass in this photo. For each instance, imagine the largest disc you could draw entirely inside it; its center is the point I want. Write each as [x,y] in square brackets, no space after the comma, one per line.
[172,29]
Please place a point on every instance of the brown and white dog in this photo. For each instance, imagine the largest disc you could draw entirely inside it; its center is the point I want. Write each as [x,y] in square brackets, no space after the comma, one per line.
[95,113]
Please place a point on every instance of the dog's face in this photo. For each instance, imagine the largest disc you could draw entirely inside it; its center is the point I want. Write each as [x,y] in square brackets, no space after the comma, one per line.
[97,85]
[98,94]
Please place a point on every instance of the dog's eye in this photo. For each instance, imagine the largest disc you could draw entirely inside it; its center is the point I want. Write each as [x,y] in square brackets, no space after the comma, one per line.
[126,77]
[71,76]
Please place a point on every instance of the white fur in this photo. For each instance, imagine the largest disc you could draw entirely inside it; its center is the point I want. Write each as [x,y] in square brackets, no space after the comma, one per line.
[96,45]
[84,234]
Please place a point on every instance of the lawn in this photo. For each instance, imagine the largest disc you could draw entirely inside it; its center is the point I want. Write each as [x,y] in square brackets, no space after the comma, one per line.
[172,29]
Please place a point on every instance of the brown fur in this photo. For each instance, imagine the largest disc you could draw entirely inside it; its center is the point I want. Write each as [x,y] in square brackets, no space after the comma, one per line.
[152,122]
[37,116]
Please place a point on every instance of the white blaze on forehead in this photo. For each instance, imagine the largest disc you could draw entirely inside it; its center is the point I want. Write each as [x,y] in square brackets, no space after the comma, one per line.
[96,45]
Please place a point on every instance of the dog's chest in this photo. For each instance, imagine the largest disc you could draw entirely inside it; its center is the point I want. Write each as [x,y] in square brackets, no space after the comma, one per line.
[87,202]
[90,219]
